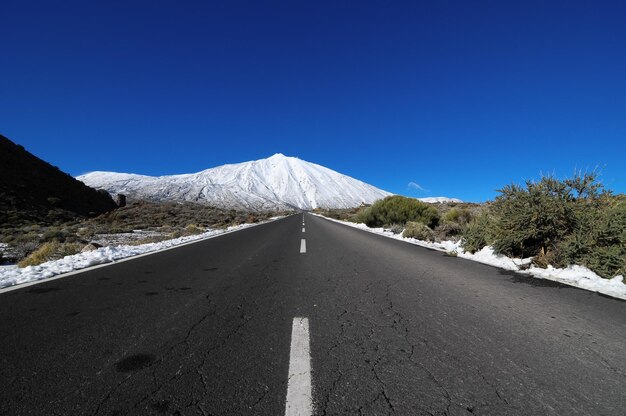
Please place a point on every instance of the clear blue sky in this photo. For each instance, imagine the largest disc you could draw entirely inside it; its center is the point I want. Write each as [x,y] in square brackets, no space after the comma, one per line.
[460,97]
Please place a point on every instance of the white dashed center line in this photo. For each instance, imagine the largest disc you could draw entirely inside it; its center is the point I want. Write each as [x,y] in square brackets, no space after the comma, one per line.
[302,229]
[299,401]
[303,246]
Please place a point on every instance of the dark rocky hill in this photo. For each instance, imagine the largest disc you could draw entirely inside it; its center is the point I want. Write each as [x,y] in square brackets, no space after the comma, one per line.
[33,191]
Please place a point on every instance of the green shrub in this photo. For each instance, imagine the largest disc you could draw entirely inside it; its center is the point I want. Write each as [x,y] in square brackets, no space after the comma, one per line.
[533,218]
[557,222]
[418,231]
[398,210]
[599,241]
[478,233]
[459,216]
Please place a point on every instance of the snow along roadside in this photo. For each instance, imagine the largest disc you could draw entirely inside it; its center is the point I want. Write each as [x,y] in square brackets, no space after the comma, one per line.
[578,276]
[13,277]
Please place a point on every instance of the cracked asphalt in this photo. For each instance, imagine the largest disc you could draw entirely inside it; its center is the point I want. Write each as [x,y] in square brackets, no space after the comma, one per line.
[205,329]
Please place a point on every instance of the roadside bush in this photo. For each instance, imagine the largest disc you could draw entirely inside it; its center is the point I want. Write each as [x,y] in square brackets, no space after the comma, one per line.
[398,210]
[459,216]
[51,250]
[557,222]
[534,218]
[447,231]
[599,241]
[478,233]
[193,229]
[418,231]
[68,249]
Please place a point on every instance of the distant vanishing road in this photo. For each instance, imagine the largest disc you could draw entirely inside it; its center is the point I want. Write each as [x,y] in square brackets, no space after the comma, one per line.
[320,318]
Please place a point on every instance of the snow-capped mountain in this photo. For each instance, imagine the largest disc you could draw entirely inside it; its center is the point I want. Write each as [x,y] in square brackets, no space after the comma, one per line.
[278,182]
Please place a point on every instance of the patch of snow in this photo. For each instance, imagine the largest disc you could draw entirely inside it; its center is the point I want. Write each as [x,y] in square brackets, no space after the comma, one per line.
[12,275]
[123,238]
[438,199]
[4,267]
[5,251]
[573,275]
[4,247]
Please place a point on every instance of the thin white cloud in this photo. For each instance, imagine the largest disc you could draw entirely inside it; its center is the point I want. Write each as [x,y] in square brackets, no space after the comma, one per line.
[416,186]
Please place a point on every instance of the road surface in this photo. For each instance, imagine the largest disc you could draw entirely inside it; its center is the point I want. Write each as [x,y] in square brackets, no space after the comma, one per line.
[239,324]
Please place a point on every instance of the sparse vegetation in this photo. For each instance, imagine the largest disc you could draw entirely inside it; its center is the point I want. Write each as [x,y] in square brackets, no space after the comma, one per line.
[398,210]
[144,215]
[454,217]
[158,222]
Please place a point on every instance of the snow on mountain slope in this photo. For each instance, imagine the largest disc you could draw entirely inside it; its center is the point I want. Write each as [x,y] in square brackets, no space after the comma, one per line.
[438,199]
[278,182]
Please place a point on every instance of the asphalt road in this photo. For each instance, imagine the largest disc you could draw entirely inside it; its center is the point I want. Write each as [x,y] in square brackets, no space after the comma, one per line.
[205,329]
